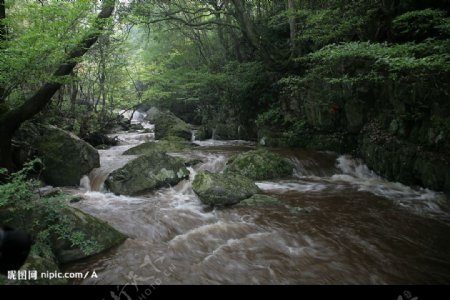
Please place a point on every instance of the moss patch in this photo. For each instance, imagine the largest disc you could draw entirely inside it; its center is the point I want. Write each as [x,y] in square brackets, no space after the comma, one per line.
[260,165]
[223,189]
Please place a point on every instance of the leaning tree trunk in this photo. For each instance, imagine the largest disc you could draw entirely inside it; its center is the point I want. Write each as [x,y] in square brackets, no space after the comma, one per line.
[248,30]
[2,37]
[11,120]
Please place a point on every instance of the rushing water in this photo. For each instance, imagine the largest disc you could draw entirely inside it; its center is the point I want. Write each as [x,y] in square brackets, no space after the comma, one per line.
[340,224]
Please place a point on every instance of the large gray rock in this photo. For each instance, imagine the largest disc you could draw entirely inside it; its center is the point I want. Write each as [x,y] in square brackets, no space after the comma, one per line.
[66,157]
[260,165]
[223,189]
[153,170]
[151,114]
[170,127]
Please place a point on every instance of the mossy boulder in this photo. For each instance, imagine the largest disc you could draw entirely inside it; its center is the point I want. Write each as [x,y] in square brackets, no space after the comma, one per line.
[170,127]
[61,233]
[151,114]
[95,236]
[66,157]
[148,172]
[223,189]
[164,146]
[260,165]
[259,200]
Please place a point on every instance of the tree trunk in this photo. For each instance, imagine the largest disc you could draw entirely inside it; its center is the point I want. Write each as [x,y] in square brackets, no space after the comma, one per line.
[292,27]
[73,100]
[11,120]
[5,133]
[2,17]
[2,38]
[248,30]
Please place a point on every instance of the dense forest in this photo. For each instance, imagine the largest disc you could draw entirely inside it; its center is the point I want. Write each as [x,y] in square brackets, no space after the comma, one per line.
[370,79]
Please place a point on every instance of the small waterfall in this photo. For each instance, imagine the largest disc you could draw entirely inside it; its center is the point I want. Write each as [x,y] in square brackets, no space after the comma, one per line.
[85,183]
[214,163]
[318,166]
[355,168]
[299,168]
[214,134]
[417,199]
[193,137]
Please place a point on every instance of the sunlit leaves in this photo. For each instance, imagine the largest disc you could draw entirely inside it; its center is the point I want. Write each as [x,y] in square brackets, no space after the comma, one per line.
[38,37]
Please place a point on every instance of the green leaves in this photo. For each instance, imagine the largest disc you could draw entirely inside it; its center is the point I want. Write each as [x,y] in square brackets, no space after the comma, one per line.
[356,61]
[421,24]
[38,37]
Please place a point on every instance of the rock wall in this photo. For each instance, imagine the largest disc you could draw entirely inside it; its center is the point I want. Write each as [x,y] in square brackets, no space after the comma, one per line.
[400,128]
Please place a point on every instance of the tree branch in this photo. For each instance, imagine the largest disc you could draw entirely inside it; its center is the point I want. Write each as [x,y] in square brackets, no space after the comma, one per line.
[44,95]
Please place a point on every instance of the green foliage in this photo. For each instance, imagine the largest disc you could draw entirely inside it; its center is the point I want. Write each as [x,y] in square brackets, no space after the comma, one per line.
[260,165]
[421,24]
[175,70]
[330,22]
[364,61]
[38,36]
[271,118]
[19,188]
[48,220]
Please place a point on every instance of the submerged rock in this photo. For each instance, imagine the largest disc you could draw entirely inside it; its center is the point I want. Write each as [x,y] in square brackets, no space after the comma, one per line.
[153,170]
[300,210]
[164,146]
[223,189]
[259,200]
[260,165]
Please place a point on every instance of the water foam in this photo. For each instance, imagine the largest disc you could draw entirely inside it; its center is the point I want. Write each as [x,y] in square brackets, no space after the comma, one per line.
[357,174]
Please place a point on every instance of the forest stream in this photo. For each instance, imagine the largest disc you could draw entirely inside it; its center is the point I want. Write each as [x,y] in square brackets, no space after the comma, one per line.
[339,223]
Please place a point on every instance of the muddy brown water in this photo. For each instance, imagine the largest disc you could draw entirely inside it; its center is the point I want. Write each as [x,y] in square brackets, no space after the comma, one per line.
[339,224]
